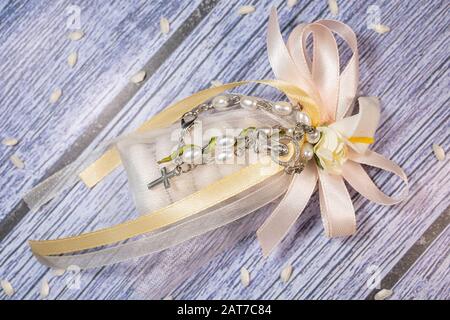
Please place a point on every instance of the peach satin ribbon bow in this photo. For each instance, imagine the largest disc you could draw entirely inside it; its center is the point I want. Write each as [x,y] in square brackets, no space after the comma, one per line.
[334,92]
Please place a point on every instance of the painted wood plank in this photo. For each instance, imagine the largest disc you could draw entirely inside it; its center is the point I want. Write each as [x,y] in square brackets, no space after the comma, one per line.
[219,279]
[218,282]
[234,10]
[181,13]
[429,278]
[34,47]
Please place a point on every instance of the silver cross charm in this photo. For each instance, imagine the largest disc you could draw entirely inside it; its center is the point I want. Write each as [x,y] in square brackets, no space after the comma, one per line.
[165,176]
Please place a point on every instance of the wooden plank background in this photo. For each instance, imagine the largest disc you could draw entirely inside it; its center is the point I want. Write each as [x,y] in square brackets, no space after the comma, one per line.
[407,68]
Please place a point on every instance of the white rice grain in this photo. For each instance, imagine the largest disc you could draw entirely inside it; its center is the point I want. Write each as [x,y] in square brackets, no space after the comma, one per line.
[216,83]
[10,141]
[333,7]
[439,152]
[286,273]
[45,289]
[164,25]
[246,10]
[138,77]
[72,59]
[245,277]
[17,162]
[380,28]
[291,3]
[55,95]
[383,294]
[58,272]
[7,287]
[76,35]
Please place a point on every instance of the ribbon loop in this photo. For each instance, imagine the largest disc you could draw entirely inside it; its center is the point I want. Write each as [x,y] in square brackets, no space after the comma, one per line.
[320,76]
[283,65]
[361,182]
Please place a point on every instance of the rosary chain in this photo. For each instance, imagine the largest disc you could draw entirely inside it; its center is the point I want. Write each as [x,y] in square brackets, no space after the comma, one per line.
[278,135]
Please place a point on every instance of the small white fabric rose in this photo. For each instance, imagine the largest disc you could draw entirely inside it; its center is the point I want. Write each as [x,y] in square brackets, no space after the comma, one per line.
[331,151]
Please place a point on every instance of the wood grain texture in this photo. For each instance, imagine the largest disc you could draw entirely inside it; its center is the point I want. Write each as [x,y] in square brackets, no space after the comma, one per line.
[34,48]
[406,68]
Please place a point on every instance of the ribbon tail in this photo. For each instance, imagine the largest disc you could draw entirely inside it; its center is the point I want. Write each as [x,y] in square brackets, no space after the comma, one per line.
[338,214]
[357,177]
[288,210]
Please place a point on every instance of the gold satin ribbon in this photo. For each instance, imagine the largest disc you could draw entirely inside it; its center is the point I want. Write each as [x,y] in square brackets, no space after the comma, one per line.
[196,202]
[110,160]
[203,199]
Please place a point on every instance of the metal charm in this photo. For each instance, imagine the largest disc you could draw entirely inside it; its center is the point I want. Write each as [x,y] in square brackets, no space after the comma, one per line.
[165,176]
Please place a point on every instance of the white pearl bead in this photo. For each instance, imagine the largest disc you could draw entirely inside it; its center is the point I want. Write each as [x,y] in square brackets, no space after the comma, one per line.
[307,152]
[225,155]
[290,132]
[225,142]
[249,103]
[221,102]
[192,154]
[282,108]
[302,117]
[313,137]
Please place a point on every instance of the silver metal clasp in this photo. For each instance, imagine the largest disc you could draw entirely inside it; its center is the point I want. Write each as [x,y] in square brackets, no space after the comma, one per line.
[188,120]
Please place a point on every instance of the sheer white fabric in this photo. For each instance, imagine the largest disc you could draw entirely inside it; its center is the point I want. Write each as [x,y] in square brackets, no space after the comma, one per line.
[139,154]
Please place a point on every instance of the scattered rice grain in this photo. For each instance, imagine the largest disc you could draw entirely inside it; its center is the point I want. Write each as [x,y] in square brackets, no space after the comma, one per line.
[216,83]
[245,277]
[380,28]
[45,289]
[7,288]
[291,3]
[17,162]
[333,6]
[383,294]
[72,59]
[439,152]
[138,77]
[164,25]
[10,141]
[58,272]
[246,10]
[286,273]
[55,95]
[76,35]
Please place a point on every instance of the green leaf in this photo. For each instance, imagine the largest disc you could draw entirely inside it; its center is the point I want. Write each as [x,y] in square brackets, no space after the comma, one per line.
[246,131]
[316,158]
[210,146]
[175,154]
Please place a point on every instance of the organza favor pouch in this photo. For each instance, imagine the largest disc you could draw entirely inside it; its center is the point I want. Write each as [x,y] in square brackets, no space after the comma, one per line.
[140,154]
